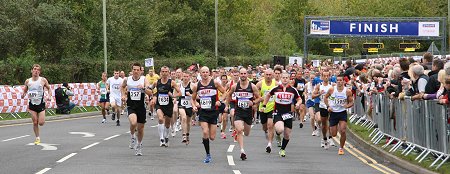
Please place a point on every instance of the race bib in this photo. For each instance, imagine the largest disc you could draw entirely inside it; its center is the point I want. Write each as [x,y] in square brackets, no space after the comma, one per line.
[340,102]
[163,99]
[267,93]
[186,102]
[35,98]
[135,94]
[116,87]
[287,116]
[103,91]
[301,86]
[243,103]
[205,102]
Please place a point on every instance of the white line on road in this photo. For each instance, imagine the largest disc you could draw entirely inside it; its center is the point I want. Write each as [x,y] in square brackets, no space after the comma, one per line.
[111,137]
[66,157]
[230,148]
[230,160]
[43,171]
[236,172]
[154,126]
[128,132]
[93,144]
[15,138]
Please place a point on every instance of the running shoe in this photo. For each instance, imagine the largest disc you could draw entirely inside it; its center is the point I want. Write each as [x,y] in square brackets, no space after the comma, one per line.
[104,121]
[208,159]
[37,141]
[113,116]
[174,133]
[327,146]
[132,143]
[243,156]
[166,140]
[278,137]
[301,125]
[234,133]
[138,150]
[161,143]
[282,153]
[235,138]
[117,123]
[184,139]
[322,143]
[268,149]
[341,151]
[223,135]
[331,142]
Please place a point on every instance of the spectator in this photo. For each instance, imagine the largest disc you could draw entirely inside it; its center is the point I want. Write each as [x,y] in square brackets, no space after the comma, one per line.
[433,84]
[427,61]
[62,99]
[441,90]
[420,80]
[349,70]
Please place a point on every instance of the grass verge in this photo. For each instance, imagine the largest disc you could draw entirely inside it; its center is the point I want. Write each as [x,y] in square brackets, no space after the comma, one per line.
[364,134]
[7,116]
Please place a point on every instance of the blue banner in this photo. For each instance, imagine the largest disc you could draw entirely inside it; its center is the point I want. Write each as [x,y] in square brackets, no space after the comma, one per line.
[389,28]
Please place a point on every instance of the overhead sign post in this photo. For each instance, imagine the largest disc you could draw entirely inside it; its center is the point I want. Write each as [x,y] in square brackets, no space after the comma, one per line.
[379,28]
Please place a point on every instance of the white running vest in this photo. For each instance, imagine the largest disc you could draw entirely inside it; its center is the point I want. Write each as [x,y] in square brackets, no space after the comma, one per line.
[338,100]
[35,91]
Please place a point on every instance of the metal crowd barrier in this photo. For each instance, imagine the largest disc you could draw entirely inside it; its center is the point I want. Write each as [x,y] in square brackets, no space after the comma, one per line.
[421,126]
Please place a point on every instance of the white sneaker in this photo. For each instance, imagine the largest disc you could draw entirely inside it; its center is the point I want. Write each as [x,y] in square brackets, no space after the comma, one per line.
[331,142]
[173,132]
[326,145]
[104,121]
[138,150]
[322,143]
[132,143]
[313,133]
[162,143]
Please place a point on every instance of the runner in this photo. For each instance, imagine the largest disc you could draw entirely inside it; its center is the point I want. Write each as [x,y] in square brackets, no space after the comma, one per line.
[208,108]
[232,103]
[133,88]
[34,88]
[175,123]
[185,106]
[341,98]
[265,86]
[246,93]
[321,90]
[285,95]
[299,84]
[103,88]
[164,104]
[223,117]
[315,118]
[151,78]
[115,97]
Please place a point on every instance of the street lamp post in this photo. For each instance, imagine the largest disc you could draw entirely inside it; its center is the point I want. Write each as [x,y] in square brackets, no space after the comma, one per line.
[217,29]
[105,51]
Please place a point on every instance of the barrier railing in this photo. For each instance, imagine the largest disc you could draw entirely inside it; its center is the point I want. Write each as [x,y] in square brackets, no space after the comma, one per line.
[11,102]
[420,126]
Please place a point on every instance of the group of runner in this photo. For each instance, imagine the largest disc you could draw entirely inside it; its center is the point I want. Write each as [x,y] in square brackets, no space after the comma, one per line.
[274,96]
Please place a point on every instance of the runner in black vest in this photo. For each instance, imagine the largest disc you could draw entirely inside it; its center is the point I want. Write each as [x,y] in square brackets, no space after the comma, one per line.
[164,104]
[246,93]
[208,108]
[299,84]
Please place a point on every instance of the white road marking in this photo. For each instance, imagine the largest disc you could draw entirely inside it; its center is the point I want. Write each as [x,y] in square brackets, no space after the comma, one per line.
[85,134]
[43,171]
[154,126]
[230,148]
[128,132]
[45,146]
[93,144]
[111,137]
[66,157]
[15,138]
[236,172]
[230,160]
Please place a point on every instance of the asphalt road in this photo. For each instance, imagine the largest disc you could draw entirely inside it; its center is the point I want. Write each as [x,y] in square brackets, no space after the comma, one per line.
[105,150]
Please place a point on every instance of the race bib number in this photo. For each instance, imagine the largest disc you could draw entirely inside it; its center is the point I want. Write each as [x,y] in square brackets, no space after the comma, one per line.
[205,102]
[35,98]
[186,102]
[116,87]
[135,94]
[301,86]
[243,103]
[163,99]
[340,102]
[103,91]
[271,97]
[287,116]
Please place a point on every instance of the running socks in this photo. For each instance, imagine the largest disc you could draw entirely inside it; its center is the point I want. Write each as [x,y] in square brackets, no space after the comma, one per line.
[206,144]
[166,132]
[284,144]
[161,131]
